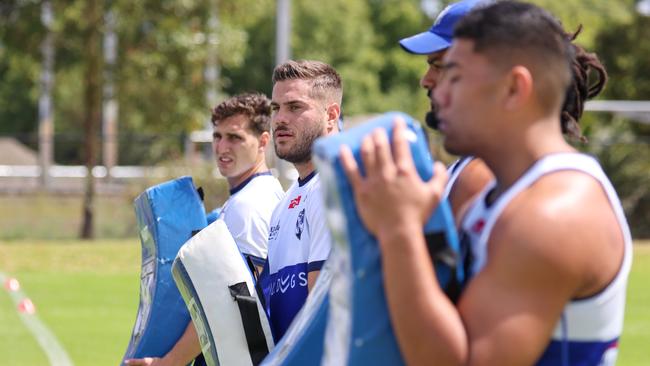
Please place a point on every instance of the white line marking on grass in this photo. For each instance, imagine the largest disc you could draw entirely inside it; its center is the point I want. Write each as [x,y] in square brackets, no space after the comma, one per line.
[27,313]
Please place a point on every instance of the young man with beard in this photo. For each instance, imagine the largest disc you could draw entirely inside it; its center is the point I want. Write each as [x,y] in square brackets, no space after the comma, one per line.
[306,104]
[552,248]
[240,138]
[470,173]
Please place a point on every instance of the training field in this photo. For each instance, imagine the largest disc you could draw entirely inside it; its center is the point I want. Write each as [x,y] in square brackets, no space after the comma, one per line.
[87,295]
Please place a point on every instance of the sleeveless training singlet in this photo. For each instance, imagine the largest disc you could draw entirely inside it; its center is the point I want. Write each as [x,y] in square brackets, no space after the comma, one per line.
[248,211]
[299,243]
[589,329]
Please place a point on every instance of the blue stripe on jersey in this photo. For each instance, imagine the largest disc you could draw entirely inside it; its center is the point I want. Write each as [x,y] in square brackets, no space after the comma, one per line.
[579,353]
[288,292]
[315,266]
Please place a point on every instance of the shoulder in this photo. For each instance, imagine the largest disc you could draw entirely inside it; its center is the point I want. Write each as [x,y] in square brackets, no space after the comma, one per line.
[471,180]
[563,225]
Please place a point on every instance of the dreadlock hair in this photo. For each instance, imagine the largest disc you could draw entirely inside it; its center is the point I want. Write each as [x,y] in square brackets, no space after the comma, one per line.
[255,106]
[583,67]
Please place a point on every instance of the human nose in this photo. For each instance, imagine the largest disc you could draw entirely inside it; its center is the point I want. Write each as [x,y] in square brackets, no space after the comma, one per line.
[220,145]
[441,94]
[429,80]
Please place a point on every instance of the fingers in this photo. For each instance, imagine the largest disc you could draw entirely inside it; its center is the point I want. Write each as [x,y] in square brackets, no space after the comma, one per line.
[350,167]
[439,180]
[401,148]
[367,152]
[383,154]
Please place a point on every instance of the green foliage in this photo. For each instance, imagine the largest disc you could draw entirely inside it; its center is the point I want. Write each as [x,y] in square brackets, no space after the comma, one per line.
[623,144]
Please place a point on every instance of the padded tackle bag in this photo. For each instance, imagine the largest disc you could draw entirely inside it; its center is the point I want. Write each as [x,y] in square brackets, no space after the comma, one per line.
[167,214]
[359,329]
[219,291]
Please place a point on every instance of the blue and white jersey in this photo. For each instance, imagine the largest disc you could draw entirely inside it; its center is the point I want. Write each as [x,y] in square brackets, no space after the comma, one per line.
[247,213]
[299,243]
[589,329]
[454,171]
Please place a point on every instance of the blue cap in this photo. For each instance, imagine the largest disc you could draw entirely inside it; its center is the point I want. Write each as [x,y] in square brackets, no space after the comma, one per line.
[439,36]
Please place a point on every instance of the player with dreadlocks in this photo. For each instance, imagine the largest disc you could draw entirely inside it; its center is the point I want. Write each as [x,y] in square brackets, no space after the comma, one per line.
[551,246]
[468,175]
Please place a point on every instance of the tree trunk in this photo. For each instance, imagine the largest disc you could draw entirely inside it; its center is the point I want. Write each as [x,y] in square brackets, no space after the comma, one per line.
[92,107]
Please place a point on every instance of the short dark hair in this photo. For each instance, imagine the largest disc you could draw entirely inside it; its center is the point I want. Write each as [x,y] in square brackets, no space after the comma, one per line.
[325,81]
[255,106]
[511,33]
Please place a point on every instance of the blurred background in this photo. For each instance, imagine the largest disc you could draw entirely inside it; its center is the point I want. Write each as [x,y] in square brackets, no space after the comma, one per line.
[123,89]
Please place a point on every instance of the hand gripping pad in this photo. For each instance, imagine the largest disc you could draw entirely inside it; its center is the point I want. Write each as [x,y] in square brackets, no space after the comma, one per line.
[218,289]
[359,331]
[167,216]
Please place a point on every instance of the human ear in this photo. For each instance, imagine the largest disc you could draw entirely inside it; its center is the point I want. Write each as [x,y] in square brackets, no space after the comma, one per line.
[519,87]
[264,139]
[333,113]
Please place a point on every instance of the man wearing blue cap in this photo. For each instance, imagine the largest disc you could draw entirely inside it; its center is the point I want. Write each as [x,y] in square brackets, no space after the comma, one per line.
[551,246]
[434,44]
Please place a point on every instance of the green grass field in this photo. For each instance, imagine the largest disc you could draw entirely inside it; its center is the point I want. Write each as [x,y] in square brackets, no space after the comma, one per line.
[87,294]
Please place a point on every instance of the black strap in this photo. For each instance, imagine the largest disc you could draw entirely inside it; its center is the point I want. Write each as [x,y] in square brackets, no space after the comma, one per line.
[252,267]
[439,251]
[250,317]
[201,193]
[259,284]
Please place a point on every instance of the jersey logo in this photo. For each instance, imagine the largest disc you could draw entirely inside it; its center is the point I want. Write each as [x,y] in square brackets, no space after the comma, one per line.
[295,202]
[284,283]
[273,232]
[478,226]
[300,223]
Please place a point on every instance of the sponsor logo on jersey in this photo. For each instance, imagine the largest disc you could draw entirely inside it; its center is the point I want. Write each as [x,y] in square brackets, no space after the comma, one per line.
[285,282]
[273,232]
[300,223]
[478,226]
[294,202]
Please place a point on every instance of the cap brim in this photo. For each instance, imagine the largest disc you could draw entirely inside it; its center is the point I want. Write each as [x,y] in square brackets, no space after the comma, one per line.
[425,43]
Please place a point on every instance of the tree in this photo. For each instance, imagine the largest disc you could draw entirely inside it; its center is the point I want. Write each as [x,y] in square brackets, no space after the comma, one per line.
[624,48]
[93,16]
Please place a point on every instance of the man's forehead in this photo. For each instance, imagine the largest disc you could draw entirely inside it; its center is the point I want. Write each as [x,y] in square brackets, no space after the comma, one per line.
[436,56]
[460,50]
[232,123]
[290,90]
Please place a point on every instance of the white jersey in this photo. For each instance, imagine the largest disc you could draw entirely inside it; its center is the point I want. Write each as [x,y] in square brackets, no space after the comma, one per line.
[589,329]
[247,213]
[454,171]
[299,243]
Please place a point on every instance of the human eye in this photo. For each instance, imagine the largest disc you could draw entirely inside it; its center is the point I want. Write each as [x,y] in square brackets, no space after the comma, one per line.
[234,138]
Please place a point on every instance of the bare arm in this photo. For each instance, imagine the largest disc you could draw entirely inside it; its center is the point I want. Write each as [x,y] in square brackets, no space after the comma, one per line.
[184,351]
[311,279]
[516,299]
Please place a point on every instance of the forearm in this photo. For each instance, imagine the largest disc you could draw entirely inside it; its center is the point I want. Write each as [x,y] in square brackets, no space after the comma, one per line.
[428,326]
[186,349]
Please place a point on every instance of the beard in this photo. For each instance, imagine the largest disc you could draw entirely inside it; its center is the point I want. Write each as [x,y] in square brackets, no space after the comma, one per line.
[301,152]
[431,118]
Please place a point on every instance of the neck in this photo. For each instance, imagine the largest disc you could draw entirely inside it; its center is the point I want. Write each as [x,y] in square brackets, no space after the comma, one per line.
[258,167]
[304,169]
[511,156]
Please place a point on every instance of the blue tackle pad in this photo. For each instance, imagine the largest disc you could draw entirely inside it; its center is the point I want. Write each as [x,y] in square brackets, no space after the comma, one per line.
[359,331]
[168,215]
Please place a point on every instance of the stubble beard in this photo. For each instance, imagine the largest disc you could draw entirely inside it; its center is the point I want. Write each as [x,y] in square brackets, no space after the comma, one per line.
[301,151]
